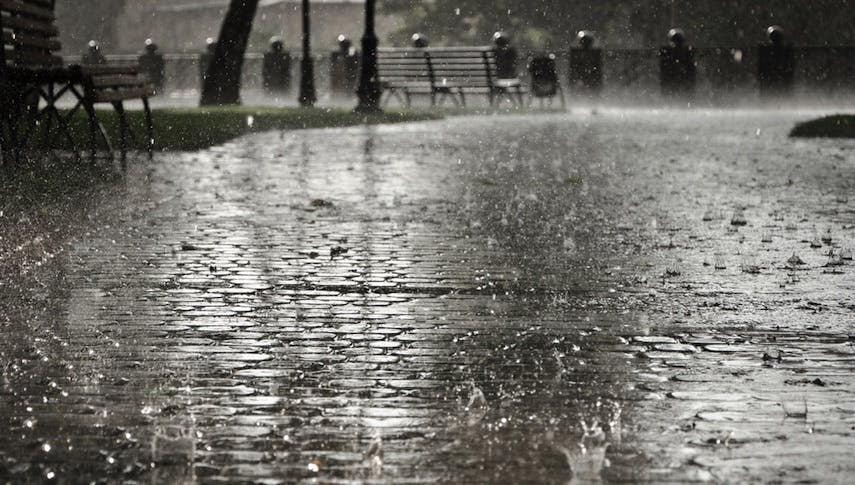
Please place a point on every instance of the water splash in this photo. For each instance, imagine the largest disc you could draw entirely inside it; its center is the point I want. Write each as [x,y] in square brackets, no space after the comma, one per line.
[477,406]
[174,444]
[373,456]
[587,457]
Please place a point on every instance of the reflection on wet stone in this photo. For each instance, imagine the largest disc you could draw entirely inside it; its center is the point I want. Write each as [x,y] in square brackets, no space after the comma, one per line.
[412,304]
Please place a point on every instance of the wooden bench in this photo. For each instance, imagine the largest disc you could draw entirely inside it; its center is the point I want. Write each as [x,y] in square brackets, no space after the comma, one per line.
[444,73]
[33,78]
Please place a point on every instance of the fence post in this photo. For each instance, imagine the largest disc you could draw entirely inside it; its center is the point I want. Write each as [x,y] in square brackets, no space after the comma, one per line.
[586,65]
[153,65]
[677,67]
[776,65]
[276,68]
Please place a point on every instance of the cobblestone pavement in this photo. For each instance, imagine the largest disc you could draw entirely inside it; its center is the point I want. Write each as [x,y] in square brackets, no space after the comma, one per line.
[627,296]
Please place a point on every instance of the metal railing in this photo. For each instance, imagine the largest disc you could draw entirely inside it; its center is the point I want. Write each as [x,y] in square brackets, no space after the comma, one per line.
[724,75]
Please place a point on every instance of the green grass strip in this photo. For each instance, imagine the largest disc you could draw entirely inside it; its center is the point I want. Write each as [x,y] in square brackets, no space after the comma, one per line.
[189,129]
[836,126]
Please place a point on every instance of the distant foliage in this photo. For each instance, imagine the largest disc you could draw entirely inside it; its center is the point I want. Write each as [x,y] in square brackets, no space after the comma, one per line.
[80,25]
[552,24]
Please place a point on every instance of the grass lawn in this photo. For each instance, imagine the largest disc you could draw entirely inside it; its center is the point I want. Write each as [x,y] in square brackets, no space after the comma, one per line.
[176,129]
[836,126]
[188,129]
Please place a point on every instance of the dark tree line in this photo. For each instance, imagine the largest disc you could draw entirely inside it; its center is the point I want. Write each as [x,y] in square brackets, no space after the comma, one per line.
[552,24]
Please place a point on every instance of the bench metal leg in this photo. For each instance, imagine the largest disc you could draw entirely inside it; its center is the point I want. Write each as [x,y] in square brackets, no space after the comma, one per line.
[94,129]
[51,113]
[6,151]
[123,129]
[8,143]
[149,128]
[49,97]
[13,137]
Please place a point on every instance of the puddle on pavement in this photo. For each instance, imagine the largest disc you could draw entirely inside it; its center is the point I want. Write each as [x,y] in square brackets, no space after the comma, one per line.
[593,298]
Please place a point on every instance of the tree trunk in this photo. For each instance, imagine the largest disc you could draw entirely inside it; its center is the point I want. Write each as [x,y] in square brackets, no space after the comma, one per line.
[222,83]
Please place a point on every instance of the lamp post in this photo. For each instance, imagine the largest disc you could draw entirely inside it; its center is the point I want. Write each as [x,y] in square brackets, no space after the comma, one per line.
[307,69]
[369,86]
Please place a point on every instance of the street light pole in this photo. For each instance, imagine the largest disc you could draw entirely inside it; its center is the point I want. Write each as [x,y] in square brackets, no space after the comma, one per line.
[369,85]
[307,68]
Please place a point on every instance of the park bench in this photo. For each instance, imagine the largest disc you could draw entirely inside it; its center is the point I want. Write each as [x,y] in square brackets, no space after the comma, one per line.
[33,78]
[444,73]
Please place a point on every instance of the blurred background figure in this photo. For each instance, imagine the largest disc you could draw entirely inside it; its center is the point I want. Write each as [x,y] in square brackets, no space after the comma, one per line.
[419,41]
[506,56]
[586,66]
[153,65]
[93,55]
[344,68]
[206,57]
[677,67]
[776,64]
[276,69]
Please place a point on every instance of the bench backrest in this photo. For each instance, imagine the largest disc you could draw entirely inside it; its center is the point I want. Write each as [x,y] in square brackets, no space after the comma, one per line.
[403,65]
[29,34]
[464,66]
[439,66]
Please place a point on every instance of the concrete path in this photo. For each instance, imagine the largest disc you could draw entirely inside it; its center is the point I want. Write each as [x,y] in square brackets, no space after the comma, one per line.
[626,296]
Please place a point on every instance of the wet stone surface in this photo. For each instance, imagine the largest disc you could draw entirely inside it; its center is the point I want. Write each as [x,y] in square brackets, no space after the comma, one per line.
[626,296]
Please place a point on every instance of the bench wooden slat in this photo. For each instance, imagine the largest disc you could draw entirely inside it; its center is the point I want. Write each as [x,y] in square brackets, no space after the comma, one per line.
[117,81]
[110,96]
[30,25]
[33,58]
[459,68]
[39,74]
[24,40]
[27,8]
[403,60]
[100,70]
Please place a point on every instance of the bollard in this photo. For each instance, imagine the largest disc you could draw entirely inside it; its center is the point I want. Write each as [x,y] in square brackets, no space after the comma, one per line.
[586,65]
[776,64]
[344,67]
[206,57]
[153,65]
[93,55]
[419,41]
[276,68]
[506,56]
[677,66]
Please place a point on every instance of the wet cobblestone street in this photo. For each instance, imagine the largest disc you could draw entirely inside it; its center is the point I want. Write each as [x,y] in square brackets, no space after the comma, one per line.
[627,296]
